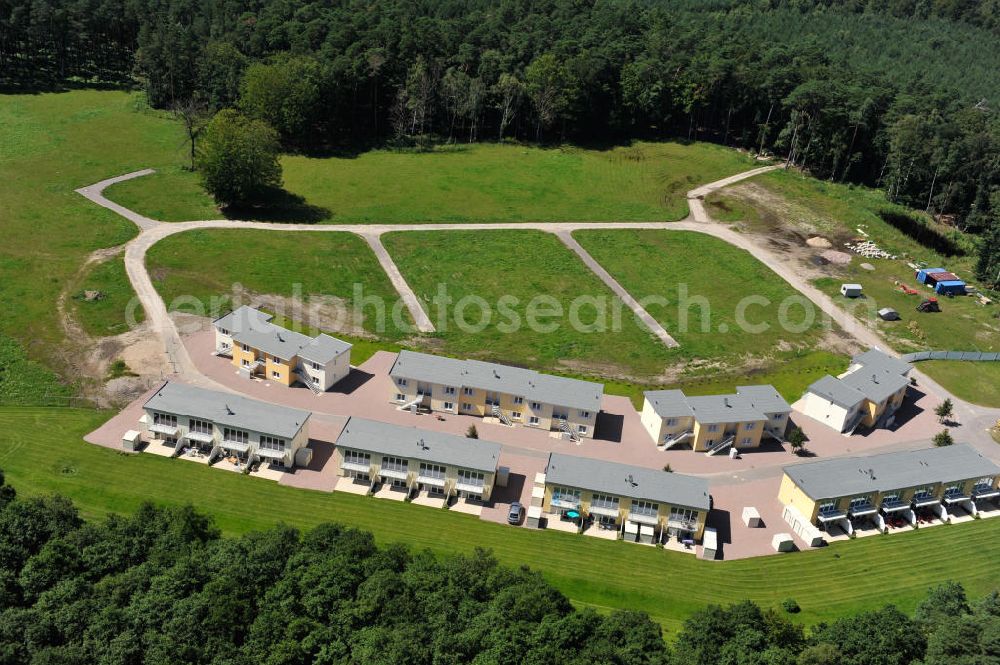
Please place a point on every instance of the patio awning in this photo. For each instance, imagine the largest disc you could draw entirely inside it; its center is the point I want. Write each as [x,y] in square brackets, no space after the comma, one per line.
[989,494]
[393,473]
[465,487]
[601,510]
[268,453]
[160,428]
[925,501]
[356,466]
[894,506]
[238,446]
[831,516]
[200,437]
[861,511]
[430,480]
[956,498]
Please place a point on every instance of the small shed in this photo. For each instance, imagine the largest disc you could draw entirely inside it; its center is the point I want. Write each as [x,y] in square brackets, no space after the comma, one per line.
[709,544]
[131,441]
[534,517]
[954,287]
[888,314]
[502,477]
[631,531]
[645,534]
[850,290]
[782,542]
[303,456]
[537,496]
[922,274]
[751,517]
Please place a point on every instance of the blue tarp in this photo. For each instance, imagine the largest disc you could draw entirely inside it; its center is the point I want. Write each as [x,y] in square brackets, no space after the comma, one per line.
[954,286]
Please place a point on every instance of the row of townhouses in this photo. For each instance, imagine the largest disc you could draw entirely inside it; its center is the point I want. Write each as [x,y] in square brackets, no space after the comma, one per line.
[713,423]
[182,416]
[258,347]
[843,494]
[512,395]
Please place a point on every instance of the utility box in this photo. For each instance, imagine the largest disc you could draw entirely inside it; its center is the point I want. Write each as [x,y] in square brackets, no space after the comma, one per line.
[710,544]
[782,542]
[131,441]
[534,519]
[751,517]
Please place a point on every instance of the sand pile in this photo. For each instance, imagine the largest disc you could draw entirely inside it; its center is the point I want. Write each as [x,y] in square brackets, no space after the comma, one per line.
[837,258]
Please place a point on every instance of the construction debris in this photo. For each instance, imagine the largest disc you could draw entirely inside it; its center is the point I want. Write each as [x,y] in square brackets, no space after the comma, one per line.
[869,249]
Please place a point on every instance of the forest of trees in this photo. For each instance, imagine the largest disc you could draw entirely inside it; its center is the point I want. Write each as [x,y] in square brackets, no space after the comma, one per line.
[161,587]
[902,94]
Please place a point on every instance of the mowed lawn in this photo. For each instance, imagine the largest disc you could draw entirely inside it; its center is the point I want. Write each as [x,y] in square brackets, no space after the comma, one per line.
[474,183]
[53,143]
[976,382]
[505,271]
[41,453]
[703,281]
[204,270]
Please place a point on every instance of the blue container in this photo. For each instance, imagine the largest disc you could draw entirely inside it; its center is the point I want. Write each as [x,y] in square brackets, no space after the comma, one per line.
[955,288]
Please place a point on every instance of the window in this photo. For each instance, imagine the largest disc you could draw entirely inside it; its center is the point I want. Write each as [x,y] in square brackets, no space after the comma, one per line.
[516,415]
[449,390]
[316,366]
[565,497]
[357,457]
[558,416]
[859,502]
[400,397]
[448,406]
[532,420]
[423,389]
[466,406]
[604,502]
[923,493]
[394,464]
[750,426]
[468,391]
[432,471]
[683,515]
[746,441]
[535,406]
[223,331]
[492,399]
[474,478]
[236,435]
[828,507]
[953,490]
[165,419]
[245,347]
[646,508]
[984,484]
[271,443]
[226,345]
[713,428]
[582,429]
[315,380]
[518,400]
[671,422]
[585,414]
[200,426]
[401,382]
[275,374]
[246,363]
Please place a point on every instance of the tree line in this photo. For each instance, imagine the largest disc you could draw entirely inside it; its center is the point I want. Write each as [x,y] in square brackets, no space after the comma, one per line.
[899,94]
[162,587]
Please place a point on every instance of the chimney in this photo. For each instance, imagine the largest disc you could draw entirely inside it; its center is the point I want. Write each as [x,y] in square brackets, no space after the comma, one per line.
[725,400]
[229,411]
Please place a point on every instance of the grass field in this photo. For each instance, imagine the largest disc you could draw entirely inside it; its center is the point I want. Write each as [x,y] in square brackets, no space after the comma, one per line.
[109,314]
[313,265]
[976,382]
[51,145]
[41,452]
[685,268]
[484,182]
[523,264]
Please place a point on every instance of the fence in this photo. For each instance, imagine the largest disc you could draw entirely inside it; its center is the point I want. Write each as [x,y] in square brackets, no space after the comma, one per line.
[950,355]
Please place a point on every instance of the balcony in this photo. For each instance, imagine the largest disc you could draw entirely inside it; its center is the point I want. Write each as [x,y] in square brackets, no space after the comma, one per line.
[985,492]
[360,467]
[682,523]
[570,501]
[433,480]
[470,487]
[642,517]
[604,510]
[831,515]
[924,500]
[163,428]
[200,437]
[893,505]
[270,453]
[862,509]
[237,446]
[397,473]
[956,496]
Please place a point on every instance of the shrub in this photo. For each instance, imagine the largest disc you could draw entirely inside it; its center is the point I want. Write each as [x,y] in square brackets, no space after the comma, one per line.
[790,606]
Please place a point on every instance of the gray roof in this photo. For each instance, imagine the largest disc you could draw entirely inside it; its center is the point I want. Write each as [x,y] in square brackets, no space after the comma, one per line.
[876,385]
[873,359]
[323,348]
[765,398]
[836,391]
[227,409]
[635,482]
[724,409]
[254,328]
[848,476]
[409,442]
[669,403]
[526,383]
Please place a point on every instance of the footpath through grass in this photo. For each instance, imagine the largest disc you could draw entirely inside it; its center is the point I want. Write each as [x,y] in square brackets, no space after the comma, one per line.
[202,271]
[51,144]
[41,452]
[470,183]
[491,279]
[113,309]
